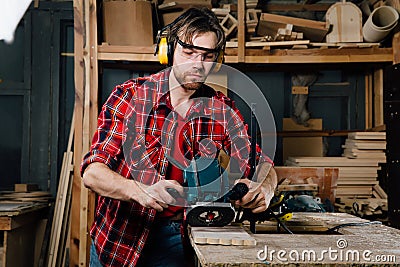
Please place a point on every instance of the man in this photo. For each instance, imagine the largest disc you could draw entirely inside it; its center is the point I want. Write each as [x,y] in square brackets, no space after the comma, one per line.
[149,131]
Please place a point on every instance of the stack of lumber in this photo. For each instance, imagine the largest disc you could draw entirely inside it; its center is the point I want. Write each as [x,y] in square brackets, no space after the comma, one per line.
[59,236]
[357,177]
[358,191]
[366,145]
[363,207]
[34,196]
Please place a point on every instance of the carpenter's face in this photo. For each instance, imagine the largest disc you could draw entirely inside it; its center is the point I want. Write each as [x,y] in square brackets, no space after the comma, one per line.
[193,62]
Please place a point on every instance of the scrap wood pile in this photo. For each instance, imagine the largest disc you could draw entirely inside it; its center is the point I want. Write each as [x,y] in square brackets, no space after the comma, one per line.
[358,190]
[26,193]
[266,27]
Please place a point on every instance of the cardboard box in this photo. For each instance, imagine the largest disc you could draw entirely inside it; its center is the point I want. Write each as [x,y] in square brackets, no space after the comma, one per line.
[302,146]
[174,8]
[128,23]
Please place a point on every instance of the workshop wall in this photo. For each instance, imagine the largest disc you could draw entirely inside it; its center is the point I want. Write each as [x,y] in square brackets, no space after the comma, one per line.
[36,96]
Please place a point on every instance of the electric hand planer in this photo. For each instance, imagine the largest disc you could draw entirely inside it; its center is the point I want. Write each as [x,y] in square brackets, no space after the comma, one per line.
[207,193]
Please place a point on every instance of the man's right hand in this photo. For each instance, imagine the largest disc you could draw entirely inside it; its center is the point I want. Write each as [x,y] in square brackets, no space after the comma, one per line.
[105,182]
[156,196]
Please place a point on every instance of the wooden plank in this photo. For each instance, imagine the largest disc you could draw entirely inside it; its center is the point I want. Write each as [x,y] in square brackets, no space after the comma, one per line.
[362,170]
[356,182]
[297,187]
[301,90]
[345,55]
[79,32]
[54,233]
[368,100]
[339,161]
[367,135]
[380,191]
[86,127]
[25,187]
[262,44]
[312,30]
[106,48]
[359,144]
[396,48]
[93,113]
[61,213]
[126,56]
[378,97]
[227,235]
[241,31]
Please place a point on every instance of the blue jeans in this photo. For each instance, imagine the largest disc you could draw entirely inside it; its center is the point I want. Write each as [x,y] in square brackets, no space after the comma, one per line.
[163,248]
[94,258]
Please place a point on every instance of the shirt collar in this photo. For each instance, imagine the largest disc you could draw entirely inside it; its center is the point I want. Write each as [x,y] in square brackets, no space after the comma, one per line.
[205,92]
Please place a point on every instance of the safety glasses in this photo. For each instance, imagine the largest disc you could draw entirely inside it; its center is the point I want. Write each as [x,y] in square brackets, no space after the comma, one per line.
[192,52]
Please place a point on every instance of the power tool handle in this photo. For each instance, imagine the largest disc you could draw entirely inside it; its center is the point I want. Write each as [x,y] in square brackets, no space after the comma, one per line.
[238,191]
[173,192]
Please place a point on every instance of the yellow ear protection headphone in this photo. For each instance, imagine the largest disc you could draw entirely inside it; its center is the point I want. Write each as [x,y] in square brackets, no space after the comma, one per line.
[165,48]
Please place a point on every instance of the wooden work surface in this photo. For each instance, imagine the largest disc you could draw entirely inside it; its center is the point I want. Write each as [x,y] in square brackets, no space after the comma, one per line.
[17,214]
[14,208]
[374,240]
[19,223]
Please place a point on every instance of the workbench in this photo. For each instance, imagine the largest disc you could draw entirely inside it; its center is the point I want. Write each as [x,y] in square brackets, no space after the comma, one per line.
[19,222]
[310,245]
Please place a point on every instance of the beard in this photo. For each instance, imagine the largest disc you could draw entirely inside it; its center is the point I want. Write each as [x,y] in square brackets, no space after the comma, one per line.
[191,79]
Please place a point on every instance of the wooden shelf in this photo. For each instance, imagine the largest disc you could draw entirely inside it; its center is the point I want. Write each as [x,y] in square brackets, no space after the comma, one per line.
[311,55]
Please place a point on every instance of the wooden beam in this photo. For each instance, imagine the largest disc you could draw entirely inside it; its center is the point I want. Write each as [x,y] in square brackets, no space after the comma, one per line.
[283,56]
[368,101]
[241,31]
[79,41]
[106,48]
[396,48]
[378,97]
[93,113]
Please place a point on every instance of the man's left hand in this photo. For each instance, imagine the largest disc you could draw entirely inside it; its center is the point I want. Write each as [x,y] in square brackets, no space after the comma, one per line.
[261,192]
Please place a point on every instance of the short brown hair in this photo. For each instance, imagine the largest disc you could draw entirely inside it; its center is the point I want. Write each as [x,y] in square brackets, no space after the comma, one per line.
[196,21]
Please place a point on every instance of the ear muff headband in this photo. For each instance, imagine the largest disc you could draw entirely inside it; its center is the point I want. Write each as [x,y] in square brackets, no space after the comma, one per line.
[165,49]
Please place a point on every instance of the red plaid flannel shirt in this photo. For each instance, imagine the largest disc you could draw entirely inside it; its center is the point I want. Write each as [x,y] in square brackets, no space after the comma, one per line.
[134,137]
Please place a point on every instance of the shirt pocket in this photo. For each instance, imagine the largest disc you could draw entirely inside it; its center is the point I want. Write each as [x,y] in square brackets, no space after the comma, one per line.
[143,152]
